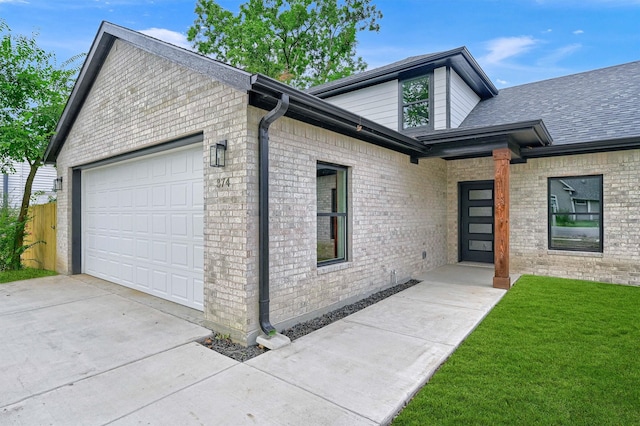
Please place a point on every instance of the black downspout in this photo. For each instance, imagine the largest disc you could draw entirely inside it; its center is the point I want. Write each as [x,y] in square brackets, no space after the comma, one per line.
[263,199]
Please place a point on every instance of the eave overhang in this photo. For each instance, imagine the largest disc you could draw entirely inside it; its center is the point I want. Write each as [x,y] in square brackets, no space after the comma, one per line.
[307,108]
[528,139]
[107,34]
[459,59]
[481,141]
[591,147]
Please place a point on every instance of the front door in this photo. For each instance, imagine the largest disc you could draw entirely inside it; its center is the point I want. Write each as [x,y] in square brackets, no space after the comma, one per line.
[476,221]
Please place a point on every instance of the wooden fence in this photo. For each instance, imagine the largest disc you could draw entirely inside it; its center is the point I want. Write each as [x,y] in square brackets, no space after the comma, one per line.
[41,227]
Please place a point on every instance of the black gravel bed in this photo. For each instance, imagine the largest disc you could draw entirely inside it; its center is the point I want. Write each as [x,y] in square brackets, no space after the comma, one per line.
[223,344]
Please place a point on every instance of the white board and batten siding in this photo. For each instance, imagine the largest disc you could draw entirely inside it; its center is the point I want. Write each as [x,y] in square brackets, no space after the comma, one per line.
[463,100]
[41,191]
[439,98]
[142,224]
[378,103]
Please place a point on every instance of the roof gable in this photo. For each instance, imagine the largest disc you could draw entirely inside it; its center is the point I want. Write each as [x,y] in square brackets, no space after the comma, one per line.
[459,59]
[264,93]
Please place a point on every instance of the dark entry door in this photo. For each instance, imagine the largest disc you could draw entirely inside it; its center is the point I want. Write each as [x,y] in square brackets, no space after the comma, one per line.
[476,221]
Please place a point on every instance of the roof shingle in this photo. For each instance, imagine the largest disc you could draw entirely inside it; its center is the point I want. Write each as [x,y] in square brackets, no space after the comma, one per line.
[595,105]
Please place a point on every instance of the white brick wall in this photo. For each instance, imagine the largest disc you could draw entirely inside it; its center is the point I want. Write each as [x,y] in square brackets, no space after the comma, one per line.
[139,100]
[398,209]
[620,260]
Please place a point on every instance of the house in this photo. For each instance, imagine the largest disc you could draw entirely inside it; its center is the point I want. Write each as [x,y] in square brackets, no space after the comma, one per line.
[13,185]
[264,206]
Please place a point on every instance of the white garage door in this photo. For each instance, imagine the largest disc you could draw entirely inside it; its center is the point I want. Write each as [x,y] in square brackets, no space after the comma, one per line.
[142,224]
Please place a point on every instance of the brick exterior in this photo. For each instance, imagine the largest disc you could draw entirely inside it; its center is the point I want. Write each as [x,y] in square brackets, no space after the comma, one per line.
[397,209]
[620,260]
[139,100]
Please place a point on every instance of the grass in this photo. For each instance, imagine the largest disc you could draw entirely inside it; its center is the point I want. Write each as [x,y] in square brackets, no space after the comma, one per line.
[552,352]
[24,274]
[583,224]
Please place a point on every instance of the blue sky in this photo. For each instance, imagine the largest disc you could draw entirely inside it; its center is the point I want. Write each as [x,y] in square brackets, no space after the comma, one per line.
[515,41]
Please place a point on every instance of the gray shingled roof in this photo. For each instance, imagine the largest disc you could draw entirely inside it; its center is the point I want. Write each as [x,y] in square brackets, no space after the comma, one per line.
[584,189]
[365,75]
[596,105]
[459,59]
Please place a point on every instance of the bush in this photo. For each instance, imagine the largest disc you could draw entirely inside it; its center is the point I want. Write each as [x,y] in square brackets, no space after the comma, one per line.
[10,228]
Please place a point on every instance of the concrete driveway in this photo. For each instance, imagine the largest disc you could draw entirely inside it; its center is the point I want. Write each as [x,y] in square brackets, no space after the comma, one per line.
[81,351]
[60,333]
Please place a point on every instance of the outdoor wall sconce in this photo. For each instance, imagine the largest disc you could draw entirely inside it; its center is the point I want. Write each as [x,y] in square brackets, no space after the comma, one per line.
[57,184]
[217,154]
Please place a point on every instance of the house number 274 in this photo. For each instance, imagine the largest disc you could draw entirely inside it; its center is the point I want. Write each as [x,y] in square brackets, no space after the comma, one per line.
[222,182]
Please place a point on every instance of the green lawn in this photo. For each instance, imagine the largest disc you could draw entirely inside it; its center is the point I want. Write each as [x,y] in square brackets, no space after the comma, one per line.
[24,274]
[552,352]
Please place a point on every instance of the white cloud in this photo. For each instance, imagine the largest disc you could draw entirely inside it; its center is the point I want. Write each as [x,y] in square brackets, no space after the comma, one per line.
[547,31]
[501,82]
[169,36]
[506,47]
[578,32]
[559,54]
[14,1]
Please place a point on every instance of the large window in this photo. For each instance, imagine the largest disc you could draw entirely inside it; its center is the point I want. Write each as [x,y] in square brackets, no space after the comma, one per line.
[575,213]
[331,193]
[415,102]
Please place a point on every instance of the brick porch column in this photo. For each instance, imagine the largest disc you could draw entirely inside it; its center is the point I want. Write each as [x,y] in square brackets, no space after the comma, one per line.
[501,159]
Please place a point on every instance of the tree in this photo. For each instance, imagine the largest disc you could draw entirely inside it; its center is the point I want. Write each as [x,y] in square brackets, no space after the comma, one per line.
[300,42]
[33,93]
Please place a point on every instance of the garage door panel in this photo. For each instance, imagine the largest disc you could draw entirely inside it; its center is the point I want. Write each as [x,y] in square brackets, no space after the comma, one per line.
[159,197]
[198,226]
[197,191]
[198,258]
[159,224]
[159,282]
[126,247]
[126,222]
[179,286]
[142,249]
[179,164]
[159,251]
[142,197]
[179,254]
[198,293]
[142,279]
[126,198]
[179,225]
[179,196]
[143,224]
[127,273]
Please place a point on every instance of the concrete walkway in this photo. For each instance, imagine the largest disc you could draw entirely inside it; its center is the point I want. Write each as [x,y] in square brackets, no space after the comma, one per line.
[77,350]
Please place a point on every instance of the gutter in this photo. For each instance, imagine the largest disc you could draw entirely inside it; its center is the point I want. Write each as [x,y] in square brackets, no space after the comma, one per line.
[304,106]
[536,128]
[263,252]
[618,144]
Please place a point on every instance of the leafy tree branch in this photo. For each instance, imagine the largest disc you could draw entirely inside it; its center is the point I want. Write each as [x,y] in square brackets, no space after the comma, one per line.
[301,42]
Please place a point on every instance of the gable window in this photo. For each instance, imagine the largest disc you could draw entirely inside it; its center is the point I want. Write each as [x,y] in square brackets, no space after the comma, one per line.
[331,196]
[415,102]
[575,213]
